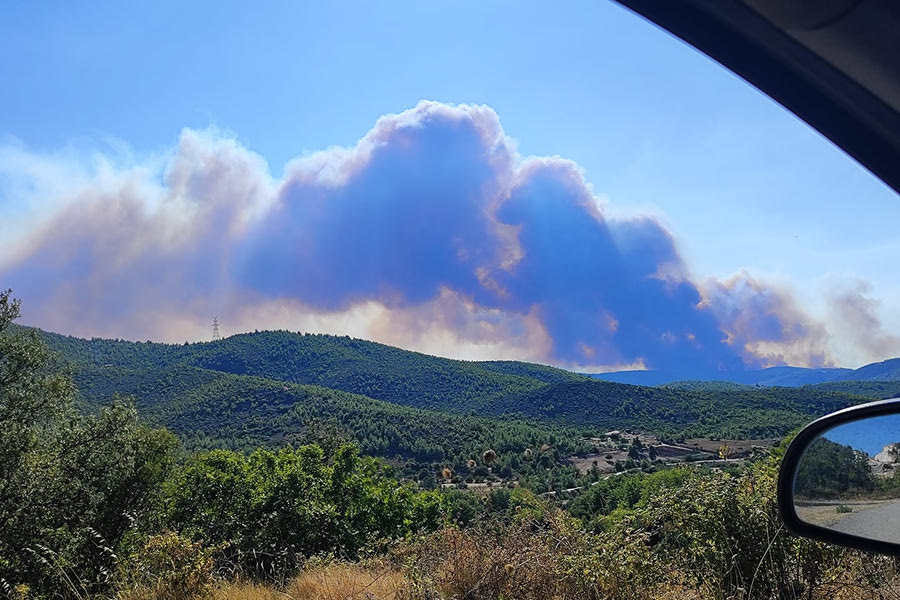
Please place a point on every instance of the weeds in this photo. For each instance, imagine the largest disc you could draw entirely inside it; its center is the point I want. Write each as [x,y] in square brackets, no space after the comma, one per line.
[166,566]
[531,559]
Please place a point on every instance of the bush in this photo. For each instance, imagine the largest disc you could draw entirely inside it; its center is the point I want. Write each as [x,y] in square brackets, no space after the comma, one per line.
[343,581]
[269,510]
[530,560]
[71,486]
[166,566]
[724,533]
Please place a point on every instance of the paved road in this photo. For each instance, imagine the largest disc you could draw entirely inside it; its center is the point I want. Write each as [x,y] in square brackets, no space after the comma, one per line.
[880,523]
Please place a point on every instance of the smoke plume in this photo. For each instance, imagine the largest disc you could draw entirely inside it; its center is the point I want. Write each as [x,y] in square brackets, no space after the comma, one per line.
[431,233]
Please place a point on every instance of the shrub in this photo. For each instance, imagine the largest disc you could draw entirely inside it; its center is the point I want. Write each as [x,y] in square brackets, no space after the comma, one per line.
[272,509]
[166,566]
[724,533]
[341,580]
[530,560]
[71,486]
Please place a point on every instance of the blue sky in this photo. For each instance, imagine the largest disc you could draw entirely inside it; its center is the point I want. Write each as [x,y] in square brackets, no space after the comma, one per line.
[869,435]
[102,91]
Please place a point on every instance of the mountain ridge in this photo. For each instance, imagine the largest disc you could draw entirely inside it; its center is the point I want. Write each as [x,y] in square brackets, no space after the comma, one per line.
[782,376]
[491,389]
[351,351]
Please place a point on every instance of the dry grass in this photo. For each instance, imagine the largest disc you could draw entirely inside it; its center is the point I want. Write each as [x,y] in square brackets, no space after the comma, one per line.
[337,581]
[516,563]
[481,565]
[548,559]
[532,560]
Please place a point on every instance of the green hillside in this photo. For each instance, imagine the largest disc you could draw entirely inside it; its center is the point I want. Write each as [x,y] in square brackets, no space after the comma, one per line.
[211,409]
[246,389]
[743,412]
[352,365]
[701,385]
[873,389]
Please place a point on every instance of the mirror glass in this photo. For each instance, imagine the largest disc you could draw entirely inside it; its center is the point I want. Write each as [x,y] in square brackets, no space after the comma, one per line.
[848,479]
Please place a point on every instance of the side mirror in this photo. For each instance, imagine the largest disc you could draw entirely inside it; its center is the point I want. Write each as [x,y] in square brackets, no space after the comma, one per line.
[840,478]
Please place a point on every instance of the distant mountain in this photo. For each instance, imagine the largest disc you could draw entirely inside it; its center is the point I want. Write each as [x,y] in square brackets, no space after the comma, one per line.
[789,376]
[888,370]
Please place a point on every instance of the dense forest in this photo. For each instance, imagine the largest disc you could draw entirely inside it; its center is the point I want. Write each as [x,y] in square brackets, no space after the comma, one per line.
[161,373]
[211,409]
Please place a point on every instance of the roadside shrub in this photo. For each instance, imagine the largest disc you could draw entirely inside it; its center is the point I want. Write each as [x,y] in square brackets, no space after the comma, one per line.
[724,533]
[478,563]
[324,580]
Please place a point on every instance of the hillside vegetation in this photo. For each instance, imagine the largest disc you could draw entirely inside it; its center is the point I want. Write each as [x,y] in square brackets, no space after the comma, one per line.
[163,374]
[210,409]
[342,363]
[873,389]
[102,505]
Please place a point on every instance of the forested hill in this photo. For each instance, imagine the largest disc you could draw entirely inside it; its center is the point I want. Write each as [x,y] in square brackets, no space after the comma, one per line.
[740,412]
[155,375]
[874,389]
[888,370]
[210,409]
[342,363]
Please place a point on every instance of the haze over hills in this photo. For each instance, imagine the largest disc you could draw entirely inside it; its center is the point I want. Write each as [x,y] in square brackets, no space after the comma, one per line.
[888,370]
